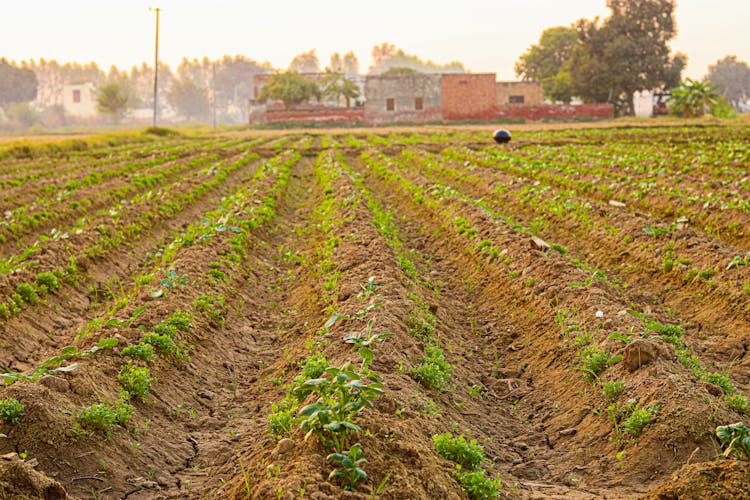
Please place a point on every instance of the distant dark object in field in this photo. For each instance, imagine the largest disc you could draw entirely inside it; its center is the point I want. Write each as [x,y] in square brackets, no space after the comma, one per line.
[501,136]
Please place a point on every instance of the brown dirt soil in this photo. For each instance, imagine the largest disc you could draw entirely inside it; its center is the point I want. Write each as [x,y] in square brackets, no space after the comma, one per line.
[276,260]
[723,479]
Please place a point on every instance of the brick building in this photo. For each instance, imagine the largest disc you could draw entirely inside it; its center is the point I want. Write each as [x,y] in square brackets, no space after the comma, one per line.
[519,94]
[420,97]
[469,96]
[407,97]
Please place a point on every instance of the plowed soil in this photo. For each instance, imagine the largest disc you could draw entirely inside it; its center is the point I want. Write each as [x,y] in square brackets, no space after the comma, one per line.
[524,263]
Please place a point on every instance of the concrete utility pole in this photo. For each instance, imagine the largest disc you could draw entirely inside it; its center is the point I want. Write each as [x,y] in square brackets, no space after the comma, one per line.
[213,90]
[156,65]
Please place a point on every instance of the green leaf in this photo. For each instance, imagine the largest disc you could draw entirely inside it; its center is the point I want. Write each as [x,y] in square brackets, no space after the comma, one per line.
[315,381]
[334,426]
[107,343]
[310,410]
[366,354]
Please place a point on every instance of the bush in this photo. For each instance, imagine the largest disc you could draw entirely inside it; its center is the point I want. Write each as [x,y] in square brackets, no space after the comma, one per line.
[467,454]
[10,410]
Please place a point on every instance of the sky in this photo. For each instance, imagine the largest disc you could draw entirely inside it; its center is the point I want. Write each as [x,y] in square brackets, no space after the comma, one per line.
[485,35]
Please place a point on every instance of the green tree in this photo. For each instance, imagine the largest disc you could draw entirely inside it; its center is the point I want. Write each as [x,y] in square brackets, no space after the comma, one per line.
[692,98]
[290,88]
[16,84]
[734,78]
[549,62]
[626,53]
[336,85]
[189,99]
[114,99]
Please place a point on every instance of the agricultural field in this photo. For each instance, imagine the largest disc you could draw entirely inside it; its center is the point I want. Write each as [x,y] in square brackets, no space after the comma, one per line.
[377,314]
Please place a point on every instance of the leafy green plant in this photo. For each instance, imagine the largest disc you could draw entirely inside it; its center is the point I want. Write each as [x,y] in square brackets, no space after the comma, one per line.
[342,394]
[51,365]
[363,343]
[595,360]
[164,344]
[368,288]
[27,293]
[735,439]
[103,417]
[478,486]
[10,410]
[136,380]
[433,370]
[350,464]
[315,365]
[719,379]
[282,418]
[467,454]
[47,280]
[141,351]
[613,389]
[212,305]
[638,419]
[737,402]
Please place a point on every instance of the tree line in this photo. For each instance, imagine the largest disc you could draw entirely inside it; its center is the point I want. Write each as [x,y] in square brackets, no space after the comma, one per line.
[610,60]
[192,88]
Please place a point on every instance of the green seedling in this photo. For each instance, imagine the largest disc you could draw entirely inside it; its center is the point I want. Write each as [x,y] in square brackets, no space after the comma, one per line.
[467,454]
[135,380]
[433,371]
[478,486]
[350,464]
[342,394]
[363,343]
[10,410]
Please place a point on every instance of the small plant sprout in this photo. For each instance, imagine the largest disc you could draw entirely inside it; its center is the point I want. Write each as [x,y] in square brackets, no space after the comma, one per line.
[350,465]
[363,343]
[477,485]
[368,288]
[10,410]
[467,454]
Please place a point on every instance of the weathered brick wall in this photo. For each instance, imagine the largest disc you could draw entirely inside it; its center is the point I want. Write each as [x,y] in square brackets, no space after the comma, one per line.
[559,111]
[531,92]
[404,90]
[469,96]
[308,114]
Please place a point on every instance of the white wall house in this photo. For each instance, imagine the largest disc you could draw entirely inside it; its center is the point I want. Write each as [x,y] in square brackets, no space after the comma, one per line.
[79,99]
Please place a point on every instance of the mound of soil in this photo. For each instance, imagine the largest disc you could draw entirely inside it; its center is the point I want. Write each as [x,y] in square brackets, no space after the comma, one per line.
[19,480]
[706,480]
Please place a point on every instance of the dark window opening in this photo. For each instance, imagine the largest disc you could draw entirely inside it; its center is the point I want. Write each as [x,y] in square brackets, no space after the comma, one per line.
[418,103]
[516,99]
[76,96]
[390,105]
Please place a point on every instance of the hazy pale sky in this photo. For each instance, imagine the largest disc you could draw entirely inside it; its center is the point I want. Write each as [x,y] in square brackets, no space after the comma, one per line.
[486,35]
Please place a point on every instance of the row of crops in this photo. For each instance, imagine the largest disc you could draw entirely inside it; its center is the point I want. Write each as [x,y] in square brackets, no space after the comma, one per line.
[399,313]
